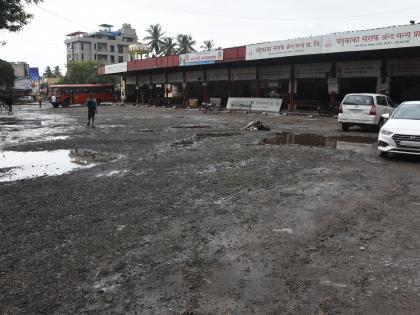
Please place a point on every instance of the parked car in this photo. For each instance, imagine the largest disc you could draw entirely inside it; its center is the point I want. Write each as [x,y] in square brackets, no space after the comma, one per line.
[401,132]
[364,109]
[25,99]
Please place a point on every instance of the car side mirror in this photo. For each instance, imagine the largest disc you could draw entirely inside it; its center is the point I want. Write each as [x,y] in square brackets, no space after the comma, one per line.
[385,116]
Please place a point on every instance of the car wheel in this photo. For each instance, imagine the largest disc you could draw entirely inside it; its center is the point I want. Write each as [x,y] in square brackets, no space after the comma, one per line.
[383,154]
[345,127]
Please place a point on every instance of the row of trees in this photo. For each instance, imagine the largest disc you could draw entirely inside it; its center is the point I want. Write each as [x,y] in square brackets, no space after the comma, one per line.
[166,46]
[49,73]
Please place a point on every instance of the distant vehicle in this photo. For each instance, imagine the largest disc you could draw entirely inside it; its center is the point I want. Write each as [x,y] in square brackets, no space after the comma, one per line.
[72,94]
[401,133]
[25,99]
[364,110]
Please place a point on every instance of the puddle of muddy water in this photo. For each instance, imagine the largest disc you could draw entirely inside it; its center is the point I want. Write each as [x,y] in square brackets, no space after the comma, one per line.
[191,127]
[25,165]
[352,143]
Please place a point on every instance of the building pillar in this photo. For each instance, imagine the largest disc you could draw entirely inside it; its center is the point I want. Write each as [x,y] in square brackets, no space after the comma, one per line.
[292,89]
[229,83]
[205,88]
[258,92]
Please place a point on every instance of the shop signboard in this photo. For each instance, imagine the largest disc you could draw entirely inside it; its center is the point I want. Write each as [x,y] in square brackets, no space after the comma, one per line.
[158,78]
[404,67]
[194,76]
[23,83]
[312,70]
[333,86]
[275,72]
[272,105]
[243,74]
[381,38]
[217,75]
[175,77]
[116,68]
[201,58]
[359,69]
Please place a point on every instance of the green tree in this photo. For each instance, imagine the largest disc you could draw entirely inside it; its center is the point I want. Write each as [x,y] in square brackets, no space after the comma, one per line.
[155,38]
[7,74]
[185,43]
[85,73]
[13,15]
[48,72]
[169,46]
[207,45]
[57,72]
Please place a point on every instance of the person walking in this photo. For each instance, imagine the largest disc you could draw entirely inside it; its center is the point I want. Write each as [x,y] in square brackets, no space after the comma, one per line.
[92,110]
[9,103]
[40,101]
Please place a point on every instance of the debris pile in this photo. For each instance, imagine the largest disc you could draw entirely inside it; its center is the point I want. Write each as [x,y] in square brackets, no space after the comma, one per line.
[256,125]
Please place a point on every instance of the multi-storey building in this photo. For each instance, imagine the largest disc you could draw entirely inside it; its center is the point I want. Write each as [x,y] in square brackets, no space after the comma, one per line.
[105,46]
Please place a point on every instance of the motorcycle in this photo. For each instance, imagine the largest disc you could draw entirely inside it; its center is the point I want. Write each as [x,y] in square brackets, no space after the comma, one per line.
[327,110]
[208,107]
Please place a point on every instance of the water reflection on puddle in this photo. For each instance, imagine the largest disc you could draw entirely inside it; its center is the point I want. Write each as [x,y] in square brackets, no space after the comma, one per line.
[353,143]
[25,165]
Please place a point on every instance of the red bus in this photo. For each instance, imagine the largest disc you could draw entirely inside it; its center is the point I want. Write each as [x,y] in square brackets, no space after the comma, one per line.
[71,94]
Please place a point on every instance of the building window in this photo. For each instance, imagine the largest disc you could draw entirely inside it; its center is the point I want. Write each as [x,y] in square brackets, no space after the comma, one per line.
[111,48]
[112,59]
[94,46]
[121,49]
[120,59]
[94,56]
[82,57]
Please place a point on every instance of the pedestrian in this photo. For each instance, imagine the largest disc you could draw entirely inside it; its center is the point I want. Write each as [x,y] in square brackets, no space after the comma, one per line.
[92,110]
[40,101]
[54,101]
[9,103]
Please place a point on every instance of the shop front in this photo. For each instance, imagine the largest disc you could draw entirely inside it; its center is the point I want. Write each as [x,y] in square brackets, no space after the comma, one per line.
[218,86]
[404,79]
[194,91]
[358,77]
[175,92]
[274,81]
[243,82]
[312,85]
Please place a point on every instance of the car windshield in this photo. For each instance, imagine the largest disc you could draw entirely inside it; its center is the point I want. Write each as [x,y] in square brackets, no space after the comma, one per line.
[407,111]
[358,100]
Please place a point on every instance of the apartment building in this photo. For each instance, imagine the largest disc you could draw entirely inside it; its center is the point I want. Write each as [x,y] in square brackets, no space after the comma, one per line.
[105,46]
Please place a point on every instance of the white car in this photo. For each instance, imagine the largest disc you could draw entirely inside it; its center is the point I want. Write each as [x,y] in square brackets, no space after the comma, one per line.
[364,109]
[401,133]
[25,99]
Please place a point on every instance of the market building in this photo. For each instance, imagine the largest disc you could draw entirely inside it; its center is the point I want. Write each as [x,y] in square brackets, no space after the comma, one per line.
[304,72]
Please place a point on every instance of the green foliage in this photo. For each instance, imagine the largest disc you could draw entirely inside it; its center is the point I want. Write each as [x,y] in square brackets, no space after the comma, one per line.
[185,43]
[207,45]
[48,72]
[57,72]
[169,46]
[155,38]
[7,74]
[85,73]
[13,15]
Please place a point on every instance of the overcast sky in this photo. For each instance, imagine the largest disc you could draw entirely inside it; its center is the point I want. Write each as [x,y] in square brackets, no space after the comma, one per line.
[228,23]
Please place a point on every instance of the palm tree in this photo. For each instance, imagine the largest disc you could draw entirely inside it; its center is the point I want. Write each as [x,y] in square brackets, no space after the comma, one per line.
[207,45]
[48,72]
[154,38]
[185,43]
[168,46]
[57,72]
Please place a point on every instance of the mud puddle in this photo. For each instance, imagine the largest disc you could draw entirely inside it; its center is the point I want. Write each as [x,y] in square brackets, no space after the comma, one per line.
[352,143]
[191,127]
[16,165]
[203,136]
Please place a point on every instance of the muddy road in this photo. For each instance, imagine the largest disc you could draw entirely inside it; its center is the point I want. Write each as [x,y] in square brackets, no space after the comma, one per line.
[162,211]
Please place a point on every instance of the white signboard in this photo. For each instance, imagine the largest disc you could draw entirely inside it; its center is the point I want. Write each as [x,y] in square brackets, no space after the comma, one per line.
[243,74]
[131,79]
[275,72]
[359,69]
[23,84]
[200,58]
[285,48]
[333,86]
[144,80]
[194,76]
[116,68]
[255,104]
[176,77]
[218,75]
[381,38]
[158,78]
[312,70]
[404,67]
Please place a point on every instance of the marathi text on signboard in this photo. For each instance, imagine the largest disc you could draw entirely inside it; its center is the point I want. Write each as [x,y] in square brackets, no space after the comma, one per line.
[116,68]
[255,104]
[199,58]
[359,69]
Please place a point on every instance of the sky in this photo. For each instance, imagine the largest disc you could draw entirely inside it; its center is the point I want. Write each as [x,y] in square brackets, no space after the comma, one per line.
[228,23]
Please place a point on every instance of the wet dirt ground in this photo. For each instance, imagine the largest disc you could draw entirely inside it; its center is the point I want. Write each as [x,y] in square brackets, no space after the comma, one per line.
[179,212]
